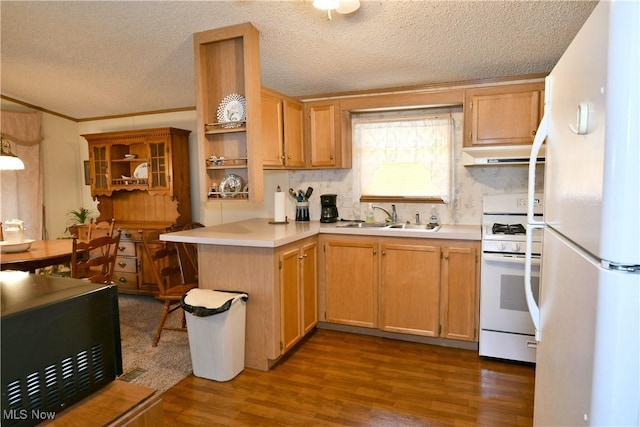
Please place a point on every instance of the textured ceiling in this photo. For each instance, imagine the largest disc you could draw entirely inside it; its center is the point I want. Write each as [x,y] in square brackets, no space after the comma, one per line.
[90,59]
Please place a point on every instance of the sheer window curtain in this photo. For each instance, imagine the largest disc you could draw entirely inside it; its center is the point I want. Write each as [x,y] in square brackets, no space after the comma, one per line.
[406,157]
[21,191]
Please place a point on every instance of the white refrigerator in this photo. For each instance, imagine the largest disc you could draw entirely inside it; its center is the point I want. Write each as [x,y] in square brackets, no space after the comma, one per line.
[587,321]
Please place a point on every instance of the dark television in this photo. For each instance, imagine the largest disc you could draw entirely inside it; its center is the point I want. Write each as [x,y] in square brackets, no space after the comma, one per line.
[60,343]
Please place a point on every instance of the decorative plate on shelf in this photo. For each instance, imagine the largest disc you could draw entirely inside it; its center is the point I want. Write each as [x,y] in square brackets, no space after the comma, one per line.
[141,172]
[231,184]
[232,111]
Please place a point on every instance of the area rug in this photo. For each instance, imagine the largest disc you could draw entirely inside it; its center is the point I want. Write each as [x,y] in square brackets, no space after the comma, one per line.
[158,367]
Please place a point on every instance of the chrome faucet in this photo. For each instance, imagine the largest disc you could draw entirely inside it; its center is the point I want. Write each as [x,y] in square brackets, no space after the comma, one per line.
[392,217]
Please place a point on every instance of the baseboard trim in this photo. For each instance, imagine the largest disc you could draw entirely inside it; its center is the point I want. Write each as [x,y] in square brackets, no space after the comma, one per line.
[465,345]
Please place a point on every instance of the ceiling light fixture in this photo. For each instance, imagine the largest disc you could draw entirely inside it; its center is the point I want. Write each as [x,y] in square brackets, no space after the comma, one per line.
[341,6]
[8,160]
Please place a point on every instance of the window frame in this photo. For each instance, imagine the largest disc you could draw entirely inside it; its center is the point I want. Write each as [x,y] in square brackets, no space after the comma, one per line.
[394,116]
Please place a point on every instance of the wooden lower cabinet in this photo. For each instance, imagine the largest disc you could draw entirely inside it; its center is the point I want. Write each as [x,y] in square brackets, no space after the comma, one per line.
[351,272]
[459,297]
[282,286]
[425,287]
[410,288]
[299,292]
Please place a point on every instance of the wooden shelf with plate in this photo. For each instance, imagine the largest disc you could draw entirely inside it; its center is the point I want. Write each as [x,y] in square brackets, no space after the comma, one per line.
[227,68]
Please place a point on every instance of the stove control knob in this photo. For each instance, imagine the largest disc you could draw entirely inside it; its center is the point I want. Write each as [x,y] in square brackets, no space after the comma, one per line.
[515,246]
[502,246]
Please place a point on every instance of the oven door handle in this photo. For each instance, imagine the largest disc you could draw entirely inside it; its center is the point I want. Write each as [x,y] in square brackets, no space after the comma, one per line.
[510,260]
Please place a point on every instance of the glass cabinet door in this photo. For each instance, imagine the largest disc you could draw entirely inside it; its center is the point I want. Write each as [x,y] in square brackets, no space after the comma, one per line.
[99,170]
[159,178]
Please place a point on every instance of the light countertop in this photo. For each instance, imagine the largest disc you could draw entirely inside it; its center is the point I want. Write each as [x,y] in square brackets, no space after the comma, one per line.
[258,232]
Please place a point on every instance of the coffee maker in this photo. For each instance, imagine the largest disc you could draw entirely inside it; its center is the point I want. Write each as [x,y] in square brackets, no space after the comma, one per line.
[329,211]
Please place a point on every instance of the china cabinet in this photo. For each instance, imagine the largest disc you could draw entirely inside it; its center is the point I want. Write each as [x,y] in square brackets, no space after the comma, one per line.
[141,179]
[227,73]
[507,114]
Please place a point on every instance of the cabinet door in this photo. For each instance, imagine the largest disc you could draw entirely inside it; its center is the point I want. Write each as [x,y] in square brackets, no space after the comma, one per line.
[351,275]
[293,133]
[291,298]
[459,293]
[99,165]
[505,118]
[272,132]
[309,286]
[410,289]
[322,135]
[159,167]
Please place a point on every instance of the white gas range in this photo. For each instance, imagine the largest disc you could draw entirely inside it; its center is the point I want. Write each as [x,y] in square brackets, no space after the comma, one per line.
[506,330]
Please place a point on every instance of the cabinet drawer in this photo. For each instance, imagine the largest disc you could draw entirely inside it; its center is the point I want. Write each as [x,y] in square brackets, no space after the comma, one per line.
[125,264]
[127,249]
[125,280]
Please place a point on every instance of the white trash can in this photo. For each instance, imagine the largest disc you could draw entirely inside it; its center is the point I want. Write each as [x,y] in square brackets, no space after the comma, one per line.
[216,326]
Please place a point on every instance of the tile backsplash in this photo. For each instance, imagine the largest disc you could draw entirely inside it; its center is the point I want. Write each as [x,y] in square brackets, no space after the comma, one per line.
[470,185]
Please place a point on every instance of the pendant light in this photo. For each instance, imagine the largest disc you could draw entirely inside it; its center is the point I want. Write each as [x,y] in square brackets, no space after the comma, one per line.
[8,160]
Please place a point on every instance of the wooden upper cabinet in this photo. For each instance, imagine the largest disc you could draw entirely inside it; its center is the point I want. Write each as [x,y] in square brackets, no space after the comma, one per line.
[327,135]
[282,135]
[293,133]
[227,68]
[507,114]
[272,137]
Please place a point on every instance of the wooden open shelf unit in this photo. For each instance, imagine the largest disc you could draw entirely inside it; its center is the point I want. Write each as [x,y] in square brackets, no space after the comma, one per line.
[227,61]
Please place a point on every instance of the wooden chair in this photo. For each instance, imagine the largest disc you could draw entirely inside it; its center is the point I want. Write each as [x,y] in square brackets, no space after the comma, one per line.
[102,228]
[190,251]
[95,259]
[167,271]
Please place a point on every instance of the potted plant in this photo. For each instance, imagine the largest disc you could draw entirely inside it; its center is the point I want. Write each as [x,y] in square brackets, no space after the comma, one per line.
[78,217]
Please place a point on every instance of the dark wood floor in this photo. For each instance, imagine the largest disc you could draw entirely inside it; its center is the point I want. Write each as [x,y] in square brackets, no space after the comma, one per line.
[341,379]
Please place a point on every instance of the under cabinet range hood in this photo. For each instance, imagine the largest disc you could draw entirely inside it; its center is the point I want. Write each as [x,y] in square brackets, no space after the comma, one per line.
[499,155]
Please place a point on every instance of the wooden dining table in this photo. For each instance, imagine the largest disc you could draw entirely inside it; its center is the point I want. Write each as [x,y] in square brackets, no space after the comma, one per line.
[42,253]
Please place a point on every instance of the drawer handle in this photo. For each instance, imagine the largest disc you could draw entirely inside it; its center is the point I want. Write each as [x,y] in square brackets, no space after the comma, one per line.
[122,264]
[127,235]
[122,280]
[121,248]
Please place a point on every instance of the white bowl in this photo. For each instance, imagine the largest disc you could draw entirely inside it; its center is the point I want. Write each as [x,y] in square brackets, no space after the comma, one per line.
[10,247]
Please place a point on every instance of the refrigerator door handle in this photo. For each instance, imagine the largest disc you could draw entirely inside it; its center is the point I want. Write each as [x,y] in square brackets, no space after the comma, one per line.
[534,310]
[538,140]
[532,223]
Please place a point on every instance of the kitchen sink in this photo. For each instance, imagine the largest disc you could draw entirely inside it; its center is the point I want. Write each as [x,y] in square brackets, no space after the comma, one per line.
[363,225]
[417,227]
[387,226]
